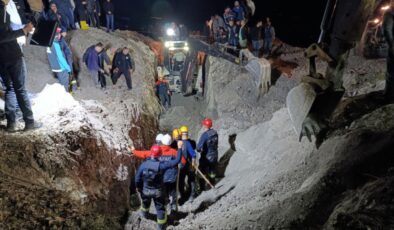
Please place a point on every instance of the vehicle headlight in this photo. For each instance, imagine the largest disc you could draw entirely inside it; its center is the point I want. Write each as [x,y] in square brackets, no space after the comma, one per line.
[170,32]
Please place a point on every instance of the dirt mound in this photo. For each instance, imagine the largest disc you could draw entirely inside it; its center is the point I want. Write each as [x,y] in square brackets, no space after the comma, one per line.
[75,172]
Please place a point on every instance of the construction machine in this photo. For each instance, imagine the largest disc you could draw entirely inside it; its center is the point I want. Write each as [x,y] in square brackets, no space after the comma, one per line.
[314,100]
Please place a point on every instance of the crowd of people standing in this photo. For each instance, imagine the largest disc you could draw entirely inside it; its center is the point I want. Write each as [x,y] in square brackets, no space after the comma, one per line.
[237,31]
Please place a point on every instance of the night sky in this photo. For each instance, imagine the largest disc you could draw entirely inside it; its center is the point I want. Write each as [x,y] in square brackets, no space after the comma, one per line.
[294,23]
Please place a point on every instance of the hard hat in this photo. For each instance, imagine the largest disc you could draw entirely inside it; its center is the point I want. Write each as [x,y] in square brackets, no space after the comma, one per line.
[166,140]
[207,122]
[159,138]
[184,129]
[155,151]
[176,134]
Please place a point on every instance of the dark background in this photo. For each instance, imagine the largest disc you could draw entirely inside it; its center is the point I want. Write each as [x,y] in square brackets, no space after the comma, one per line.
[296,22]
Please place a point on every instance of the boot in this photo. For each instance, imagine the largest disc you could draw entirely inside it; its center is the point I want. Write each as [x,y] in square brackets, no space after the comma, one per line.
[161,226]
[143,214]
[32,126]
[11,127]
[192,192]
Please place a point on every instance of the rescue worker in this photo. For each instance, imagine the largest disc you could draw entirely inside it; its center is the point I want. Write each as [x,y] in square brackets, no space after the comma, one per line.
[208,147]
[188,170]
[163,90]
[170,175]
[176,136]
[149,183]
[388,28]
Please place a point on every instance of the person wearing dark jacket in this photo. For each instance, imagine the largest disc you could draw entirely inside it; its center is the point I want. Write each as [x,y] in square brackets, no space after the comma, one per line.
[163,90]
[150,185]
[60,60]
[55,15]
[94,12]
[232,34]
[80,10]
[388,28]
[123,64]
[208,147]
[109,15]
[12,72]
[170,175]
[66,9]
[239,12]
[269,37]
[103,60]
[188,170]
[255,36]
[91,59]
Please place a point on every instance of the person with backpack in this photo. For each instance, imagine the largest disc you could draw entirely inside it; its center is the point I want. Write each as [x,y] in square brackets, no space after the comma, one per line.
[150,185]
[208,147]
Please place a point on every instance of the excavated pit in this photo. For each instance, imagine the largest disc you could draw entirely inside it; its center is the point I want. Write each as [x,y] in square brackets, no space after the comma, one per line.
[75,172]
[273,181]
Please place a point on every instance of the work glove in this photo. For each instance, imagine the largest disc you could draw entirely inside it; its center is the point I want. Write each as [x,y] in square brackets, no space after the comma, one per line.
[131,149]
[194,163]
[180,144]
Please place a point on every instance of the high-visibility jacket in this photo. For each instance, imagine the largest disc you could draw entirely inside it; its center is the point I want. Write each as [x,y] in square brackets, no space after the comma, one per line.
[168,155]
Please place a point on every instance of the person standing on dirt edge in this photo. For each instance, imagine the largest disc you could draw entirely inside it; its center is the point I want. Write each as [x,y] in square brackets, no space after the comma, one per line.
[208,147]
[388,28]
[149,183]
[123,64]
[13,73]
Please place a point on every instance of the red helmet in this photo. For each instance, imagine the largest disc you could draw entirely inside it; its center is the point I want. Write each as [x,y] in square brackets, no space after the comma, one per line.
[207,122]
[155,151]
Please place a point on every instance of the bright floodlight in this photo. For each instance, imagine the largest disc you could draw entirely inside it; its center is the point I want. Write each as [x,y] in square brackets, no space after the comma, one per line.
[170,32]
[386,7]
[376,21]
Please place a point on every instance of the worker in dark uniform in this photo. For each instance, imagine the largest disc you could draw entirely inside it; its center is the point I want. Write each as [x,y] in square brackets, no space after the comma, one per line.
[149,183]
[208,147]
[388,28]
[189,169]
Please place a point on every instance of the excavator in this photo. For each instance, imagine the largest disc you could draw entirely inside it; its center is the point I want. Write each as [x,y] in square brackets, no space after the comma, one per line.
[314,100]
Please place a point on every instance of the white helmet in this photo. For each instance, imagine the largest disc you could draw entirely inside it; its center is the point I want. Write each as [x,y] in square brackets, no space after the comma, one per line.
[166,140]
[159,138]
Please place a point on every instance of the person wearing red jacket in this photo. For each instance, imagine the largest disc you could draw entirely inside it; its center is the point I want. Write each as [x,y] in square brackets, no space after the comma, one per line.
[170,175]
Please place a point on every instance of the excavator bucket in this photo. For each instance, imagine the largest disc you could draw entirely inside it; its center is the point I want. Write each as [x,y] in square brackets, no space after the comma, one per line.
[299,102]
[260,69]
